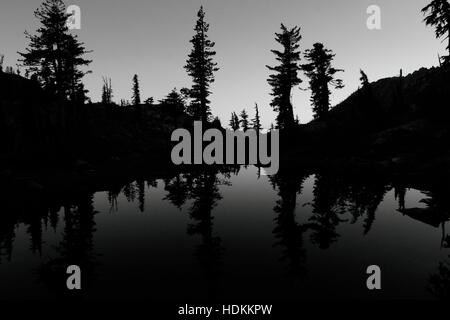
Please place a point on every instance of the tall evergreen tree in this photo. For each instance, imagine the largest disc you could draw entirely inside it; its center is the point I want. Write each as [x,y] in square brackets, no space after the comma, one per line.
[244,120]
[256,121]
[55,55]
[437,14]
[285,76]
[321,76]
[201,67]
[136,98]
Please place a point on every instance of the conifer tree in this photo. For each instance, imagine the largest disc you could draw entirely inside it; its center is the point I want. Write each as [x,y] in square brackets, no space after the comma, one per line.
[175,102]
[149,101]
[285,76]
[364,79]
[231,123]
[107,92]
[321,76]
[234,121]
[136,98]
[256,121]
[244,120]
[201,67]
[55,55]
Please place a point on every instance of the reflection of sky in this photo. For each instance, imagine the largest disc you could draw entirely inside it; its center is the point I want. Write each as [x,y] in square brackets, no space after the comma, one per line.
[150,253]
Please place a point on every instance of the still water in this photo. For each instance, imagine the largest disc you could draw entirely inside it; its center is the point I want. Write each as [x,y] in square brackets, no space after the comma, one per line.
[232,235]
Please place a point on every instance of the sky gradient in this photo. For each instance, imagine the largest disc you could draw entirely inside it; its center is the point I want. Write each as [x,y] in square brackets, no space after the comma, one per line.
[151,39]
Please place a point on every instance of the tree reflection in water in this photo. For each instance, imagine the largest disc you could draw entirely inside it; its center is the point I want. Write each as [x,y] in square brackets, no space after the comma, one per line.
[337,198]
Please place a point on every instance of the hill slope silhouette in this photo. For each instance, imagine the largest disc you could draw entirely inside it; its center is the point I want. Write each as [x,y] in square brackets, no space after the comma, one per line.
[390,119]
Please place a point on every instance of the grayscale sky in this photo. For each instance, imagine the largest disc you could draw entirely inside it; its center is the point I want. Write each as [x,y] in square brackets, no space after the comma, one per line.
[151,38]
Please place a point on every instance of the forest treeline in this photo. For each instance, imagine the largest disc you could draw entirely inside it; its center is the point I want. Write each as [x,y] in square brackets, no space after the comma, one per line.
[62,115]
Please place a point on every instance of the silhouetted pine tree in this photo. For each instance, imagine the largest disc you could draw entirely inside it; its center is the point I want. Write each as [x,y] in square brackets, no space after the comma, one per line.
[366,92]
[256,121]
[136,98]
[175,102]
[54,54]
[107,92]
[244,120]
[437,14]
[321,76]
[285,76]
[234,122]
[201,67]
[364,79]
[149,101]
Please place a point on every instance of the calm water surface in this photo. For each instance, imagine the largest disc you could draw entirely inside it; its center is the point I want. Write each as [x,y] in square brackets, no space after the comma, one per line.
[232,235]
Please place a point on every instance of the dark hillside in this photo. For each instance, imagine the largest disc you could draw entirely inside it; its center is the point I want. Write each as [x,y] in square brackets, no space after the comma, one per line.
[38,130]
[389,118]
